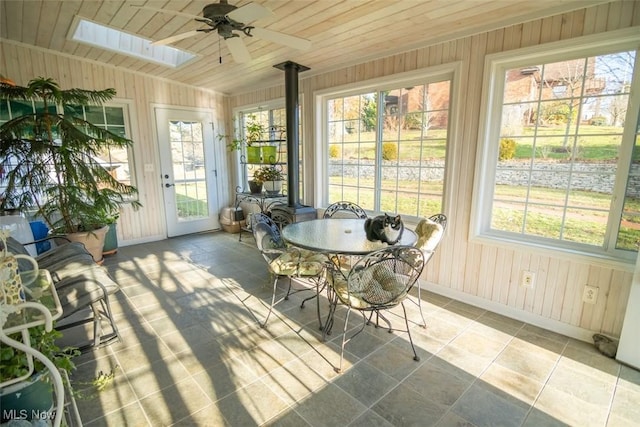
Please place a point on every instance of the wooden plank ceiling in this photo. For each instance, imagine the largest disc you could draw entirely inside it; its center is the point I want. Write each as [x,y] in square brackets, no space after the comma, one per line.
[341,32]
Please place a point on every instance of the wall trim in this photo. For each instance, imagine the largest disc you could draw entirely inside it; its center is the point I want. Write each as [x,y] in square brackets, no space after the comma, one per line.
[512,312]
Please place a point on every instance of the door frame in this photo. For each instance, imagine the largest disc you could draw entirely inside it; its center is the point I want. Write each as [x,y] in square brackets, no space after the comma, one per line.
[216,162]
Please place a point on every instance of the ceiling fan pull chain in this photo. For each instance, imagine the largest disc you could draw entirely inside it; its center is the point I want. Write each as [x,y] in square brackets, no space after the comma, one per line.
[219,53]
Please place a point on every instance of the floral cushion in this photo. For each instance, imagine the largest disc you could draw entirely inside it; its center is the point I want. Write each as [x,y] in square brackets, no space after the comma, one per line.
[11,291]
[292,263]
[429,235]
[373,286]
[339,284]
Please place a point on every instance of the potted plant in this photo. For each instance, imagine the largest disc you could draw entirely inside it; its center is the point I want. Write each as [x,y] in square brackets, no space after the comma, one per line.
[271,178]
[34,395]
[52,167]
[269,150]
[253,133]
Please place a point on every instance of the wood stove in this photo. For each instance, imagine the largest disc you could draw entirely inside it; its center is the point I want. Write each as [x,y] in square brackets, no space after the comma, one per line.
[293,211]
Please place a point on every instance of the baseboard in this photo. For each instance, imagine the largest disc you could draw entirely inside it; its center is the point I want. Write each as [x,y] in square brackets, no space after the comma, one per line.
[514,313]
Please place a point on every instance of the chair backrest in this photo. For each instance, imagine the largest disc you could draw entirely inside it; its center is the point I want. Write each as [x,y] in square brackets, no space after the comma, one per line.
[267,235]
[280,215]
[383,278]
[440,219]
[430,232]
[345,206]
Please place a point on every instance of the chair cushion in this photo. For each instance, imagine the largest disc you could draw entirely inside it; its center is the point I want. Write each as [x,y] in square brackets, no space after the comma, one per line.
[291,263]
[370,287]
[341,288]
[429,235]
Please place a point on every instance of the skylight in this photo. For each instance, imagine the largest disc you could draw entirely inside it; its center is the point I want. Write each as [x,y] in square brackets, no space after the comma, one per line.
[98,35]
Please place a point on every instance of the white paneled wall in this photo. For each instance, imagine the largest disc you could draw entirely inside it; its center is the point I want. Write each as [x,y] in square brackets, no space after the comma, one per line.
[480,273]
[21,63]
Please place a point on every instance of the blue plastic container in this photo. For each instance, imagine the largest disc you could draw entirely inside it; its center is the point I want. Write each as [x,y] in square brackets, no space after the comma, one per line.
[40,231]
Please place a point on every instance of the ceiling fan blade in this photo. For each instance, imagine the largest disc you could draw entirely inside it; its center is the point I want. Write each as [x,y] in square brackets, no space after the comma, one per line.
[249,12]
[175,38]
[238,50]
[171,12]
[281,38]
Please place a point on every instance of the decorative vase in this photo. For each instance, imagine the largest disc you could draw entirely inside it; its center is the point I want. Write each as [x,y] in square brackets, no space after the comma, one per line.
[253,154]
[255,187]
[272,188]
[269,154]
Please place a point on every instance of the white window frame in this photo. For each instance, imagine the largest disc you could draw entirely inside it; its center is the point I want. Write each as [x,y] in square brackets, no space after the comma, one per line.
[125,105]
[489,131]
[451,71]
[128,116]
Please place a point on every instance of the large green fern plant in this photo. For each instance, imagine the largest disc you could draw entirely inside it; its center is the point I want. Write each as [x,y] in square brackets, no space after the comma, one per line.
[49,161]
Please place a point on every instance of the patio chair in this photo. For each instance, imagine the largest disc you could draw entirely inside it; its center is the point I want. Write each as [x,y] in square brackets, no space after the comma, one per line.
[344,209]
[82,285]
[430,232]
[379,281]
[344,206]
[283,261]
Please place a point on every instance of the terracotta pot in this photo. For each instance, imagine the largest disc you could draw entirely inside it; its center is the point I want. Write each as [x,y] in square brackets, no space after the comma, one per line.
[92,240]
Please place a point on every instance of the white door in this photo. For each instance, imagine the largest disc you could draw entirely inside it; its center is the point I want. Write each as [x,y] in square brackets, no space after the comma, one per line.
[188,170]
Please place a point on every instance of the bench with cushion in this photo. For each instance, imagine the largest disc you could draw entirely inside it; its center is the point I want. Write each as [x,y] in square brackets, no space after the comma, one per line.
[83,287]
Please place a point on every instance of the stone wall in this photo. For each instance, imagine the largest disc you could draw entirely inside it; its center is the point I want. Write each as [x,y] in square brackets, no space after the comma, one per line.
[598,177]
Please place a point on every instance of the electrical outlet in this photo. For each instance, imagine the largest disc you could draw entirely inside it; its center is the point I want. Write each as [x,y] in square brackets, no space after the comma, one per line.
[590,294]
[527,278]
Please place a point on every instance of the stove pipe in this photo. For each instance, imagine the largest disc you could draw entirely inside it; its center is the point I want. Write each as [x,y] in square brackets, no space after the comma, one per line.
[291,70]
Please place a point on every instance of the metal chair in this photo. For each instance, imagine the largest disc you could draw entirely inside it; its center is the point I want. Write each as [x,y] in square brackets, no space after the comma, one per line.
[350,209]
[285,261]
[430,232]
[379,281]
[344,207]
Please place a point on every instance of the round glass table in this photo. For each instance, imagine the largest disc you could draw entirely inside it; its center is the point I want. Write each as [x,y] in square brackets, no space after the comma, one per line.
[337,236]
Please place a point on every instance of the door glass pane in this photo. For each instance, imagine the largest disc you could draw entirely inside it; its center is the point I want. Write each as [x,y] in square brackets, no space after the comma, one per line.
[187,155]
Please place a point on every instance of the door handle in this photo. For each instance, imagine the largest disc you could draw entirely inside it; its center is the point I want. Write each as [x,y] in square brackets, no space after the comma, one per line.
[169,185]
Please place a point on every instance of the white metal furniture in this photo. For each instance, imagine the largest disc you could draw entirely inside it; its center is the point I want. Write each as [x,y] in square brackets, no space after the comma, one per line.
[21,317]
[379,281]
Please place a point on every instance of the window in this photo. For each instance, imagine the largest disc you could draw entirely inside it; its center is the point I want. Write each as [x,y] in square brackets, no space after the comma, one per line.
[111,117]
[387,146]
[561,159]
[98,35]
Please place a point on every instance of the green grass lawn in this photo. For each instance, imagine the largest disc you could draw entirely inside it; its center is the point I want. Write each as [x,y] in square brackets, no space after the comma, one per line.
[585,223]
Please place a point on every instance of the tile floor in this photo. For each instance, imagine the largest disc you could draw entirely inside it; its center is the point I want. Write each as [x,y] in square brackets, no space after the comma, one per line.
[192,354]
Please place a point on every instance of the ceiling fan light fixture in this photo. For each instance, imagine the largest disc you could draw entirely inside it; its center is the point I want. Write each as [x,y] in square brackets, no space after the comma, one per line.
[229,21]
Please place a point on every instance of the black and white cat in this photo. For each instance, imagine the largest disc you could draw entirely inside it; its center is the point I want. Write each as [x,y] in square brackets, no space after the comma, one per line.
[385,228]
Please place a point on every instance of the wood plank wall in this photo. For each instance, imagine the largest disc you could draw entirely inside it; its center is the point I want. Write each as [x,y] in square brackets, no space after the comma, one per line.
[21,63]
[483,274]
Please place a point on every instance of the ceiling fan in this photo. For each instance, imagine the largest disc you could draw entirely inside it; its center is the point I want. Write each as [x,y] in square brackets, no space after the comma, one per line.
[229,21]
